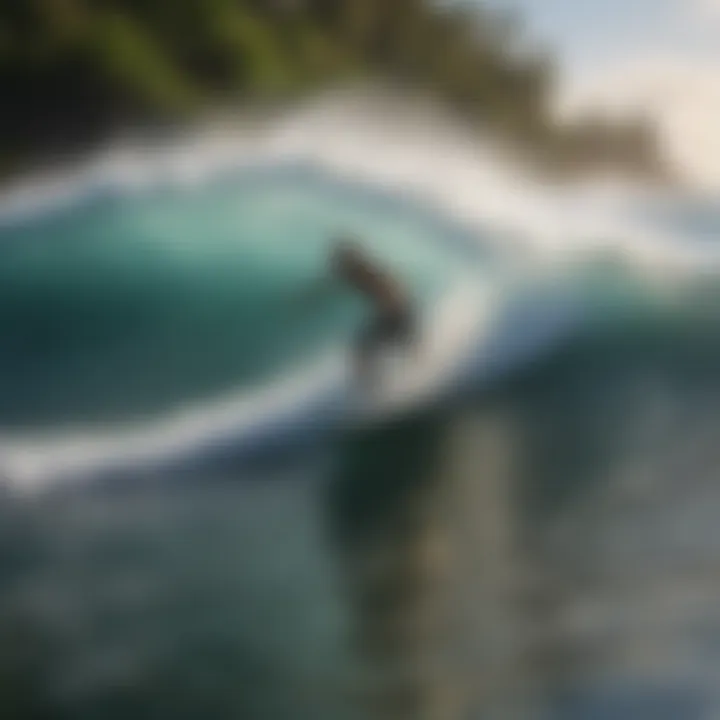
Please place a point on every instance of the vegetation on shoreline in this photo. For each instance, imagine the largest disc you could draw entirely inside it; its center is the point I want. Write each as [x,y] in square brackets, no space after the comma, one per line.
[72,71]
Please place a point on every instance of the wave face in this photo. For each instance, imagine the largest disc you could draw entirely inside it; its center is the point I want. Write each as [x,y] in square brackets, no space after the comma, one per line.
[128,306]
[156,293]
[150,323]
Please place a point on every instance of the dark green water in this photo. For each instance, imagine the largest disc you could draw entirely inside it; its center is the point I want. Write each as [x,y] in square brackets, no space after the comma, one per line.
[544,548]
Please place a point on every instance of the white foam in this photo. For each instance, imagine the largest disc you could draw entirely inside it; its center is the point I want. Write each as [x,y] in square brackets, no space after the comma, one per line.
[30,462]
[421,154]
[405,147]
[467,339]
[248,418]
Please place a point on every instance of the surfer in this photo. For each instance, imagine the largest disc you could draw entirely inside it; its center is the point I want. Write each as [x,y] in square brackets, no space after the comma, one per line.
[392,322]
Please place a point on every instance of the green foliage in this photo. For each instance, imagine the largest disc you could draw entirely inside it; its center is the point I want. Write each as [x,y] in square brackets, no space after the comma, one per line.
[128,57]
[84,65]
[253,50]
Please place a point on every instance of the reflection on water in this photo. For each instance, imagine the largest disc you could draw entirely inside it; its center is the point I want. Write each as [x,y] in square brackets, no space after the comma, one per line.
[549,551]
[382,508]
[427,528]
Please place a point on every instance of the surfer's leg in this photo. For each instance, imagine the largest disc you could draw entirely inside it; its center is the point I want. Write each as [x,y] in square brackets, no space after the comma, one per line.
[399,330]
[406,330]
[384,330]
[370,340]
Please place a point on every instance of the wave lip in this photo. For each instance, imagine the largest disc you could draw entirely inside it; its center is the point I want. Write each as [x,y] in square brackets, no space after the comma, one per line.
[409,150]
[243,419]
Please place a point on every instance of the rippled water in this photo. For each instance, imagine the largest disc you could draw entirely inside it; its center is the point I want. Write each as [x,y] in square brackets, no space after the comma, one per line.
[543,548]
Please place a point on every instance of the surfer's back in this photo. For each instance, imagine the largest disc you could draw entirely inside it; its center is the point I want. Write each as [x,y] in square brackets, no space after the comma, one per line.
[366,276]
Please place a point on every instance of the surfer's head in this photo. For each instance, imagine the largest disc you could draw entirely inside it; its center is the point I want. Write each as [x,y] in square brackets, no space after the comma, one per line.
[346,253]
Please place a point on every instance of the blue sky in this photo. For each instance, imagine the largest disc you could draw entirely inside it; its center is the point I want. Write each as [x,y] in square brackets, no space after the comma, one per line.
[656,56]
[587,34]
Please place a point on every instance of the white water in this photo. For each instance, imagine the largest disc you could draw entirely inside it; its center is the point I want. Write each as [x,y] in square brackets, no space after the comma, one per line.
[416,152]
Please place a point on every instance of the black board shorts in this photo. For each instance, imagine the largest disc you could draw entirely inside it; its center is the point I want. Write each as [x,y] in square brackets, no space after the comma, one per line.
[396,328]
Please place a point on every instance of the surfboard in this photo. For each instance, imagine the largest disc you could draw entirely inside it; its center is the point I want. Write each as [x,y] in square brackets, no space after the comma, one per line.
[407,377]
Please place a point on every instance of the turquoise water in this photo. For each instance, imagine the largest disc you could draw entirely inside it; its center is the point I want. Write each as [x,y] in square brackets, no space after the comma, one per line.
[130,306]
[546,545]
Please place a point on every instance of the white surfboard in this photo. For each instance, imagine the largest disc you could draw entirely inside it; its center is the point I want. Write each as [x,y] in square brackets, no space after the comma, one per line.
[408,377]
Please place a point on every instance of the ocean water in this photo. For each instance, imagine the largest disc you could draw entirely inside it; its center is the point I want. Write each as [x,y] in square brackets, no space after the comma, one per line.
[195,523]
